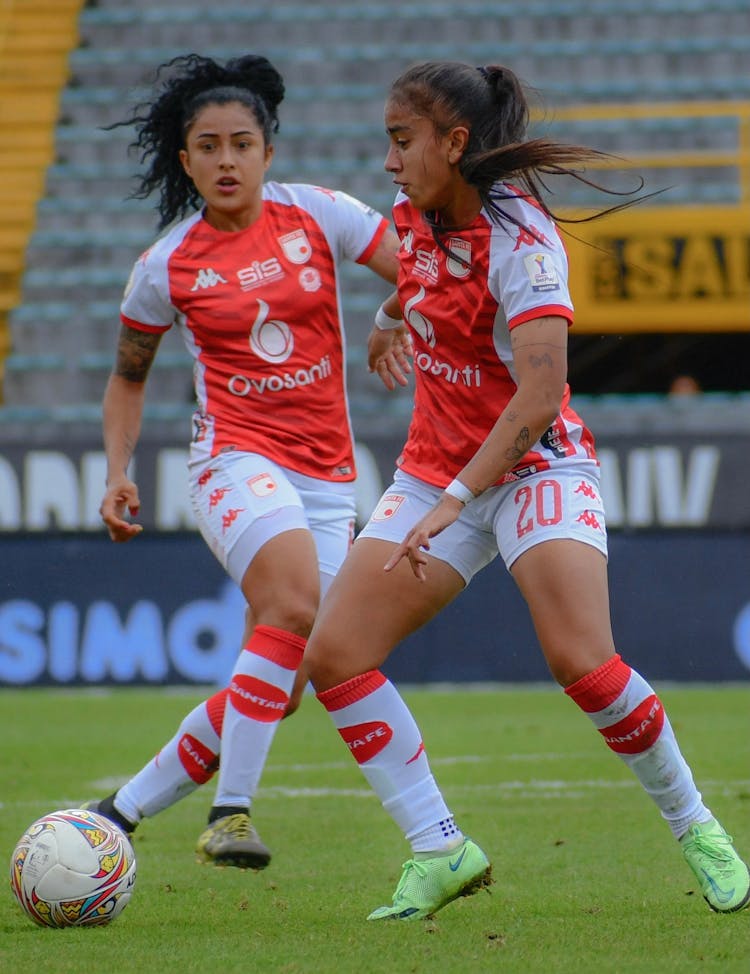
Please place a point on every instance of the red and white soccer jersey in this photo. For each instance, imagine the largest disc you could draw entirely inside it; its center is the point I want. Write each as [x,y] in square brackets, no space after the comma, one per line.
[461,309]
[260,313]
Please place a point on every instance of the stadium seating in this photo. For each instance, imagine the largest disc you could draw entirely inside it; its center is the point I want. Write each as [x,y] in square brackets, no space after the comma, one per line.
[337,58]
[35,38]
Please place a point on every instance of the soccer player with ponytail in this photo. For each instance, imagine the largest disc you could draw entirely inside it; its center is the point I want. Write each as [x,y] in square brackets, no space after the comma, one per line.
[496,461]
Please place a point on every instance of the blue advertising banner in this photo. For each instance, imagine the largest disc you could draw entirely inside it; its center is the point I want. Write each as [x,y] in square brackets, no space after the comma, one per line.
[650,481]
[77,610]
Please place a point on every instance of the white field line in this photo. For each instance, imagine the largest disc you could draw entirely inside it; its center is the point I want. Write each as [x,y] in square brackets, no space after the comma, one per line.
[536,788]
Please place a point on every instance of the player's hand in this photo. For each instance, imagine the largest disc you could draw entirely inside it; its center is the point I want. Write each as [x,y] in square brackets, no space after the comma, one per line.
[121,497]
[417,541]
[388,355]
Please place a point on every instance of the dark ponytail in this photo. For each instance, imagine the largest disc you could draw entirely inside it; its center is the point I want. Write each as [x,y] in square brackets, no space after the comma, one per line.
[491,102]
[161,125]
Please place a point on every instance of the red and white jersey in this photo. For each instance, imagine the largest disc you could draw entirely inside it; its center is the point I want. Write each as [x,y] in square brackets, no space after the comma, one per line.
[260,313]
[461,310]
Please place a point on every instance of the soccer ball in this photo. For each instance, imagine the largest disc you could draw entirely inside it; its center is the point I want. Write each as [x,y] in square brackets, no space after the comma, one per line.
[73,868]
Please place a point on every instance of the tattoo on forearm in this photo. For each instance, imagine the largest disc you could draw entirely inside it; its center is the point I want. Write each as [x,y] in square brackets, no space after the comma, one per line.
[135,353]
[521,446]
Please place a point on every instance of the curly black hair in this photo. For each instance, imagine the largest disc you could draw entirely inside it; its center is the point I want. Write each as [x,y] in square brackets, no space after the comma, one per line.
[161,125]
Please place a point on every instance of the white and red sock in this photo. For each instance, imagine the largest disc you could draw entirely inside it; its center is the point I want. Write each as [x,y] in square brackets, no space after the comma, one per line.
[188,760]
[258,696]
[386,743]
[629,715]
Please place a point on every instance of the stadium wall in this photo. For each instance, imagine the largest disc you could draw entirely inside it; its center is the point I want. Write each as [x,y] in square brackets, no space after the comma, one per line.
[76,610]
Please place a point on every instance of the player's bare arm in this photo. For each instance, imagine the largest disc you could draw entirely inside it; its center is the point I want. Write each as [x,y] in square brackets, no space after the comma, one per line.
[384,260]
[540,361]
[122,410]
[135,353]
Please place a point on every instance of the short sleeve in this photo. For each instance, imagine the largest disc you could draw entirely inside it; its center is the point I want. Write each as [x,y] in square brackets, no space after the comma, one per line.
[145,304]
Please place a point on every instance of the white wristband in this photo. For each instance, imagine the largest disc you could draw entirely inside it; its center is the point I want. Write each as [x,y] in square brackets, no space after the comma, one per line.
[384,322]
[460,491]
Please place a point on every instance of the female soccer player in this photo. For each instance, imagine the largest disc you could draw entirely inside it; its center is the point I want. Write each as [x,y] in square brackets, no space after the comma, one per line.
[251,278]
[495,461]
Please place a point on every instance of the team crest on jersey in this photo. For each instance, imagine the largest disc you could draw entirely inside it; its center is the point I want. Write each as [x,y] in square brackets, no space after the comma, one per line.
[407,244]
[205,278]
[262,484]
[296,247]
[387,507]
[309,279]
[459,265]
[542,272]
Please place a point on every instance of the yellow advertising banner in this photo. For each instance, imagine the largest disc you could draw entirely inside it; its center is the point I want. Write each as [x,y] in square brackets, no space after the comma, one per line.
[662,269]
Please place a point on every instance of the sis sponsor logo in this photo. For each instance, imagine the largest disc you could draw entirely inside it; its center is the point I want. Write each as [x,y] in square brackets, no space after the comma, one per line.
[426,264]
[259,272]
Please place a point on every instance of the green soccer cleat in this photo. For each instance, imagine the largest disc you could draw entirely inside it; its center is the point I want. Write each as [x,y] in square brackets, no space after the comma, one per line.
[232,841]
[723,877]
[427,885]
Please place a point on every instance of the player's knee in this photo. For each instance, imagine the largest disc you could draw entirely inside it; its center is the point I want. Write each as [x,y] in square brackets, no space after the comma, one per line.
[327,669]
[295,614]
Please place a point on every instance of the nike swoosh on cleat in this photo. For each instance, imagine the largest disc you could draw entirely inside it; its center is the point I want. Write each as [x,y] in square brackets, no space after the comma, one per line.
[454,865]
[721,895]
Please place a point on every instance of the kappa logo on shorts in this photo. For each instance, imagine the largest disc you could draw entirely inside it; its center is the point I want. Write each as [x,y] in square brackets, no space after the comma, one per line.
[590,520]
[387,507]
[262,484]
[217,496]
[587,490]
[206,476]
[229,517]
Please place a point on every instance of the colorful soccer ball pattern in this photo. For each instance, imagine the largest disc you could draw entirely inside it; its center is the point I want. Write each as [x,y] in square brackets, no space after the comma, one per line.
[72,868]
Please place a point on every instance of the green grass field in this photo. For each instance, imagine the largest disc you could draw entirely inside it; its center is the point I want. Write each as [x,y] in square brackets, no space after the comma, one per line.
[587,876]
